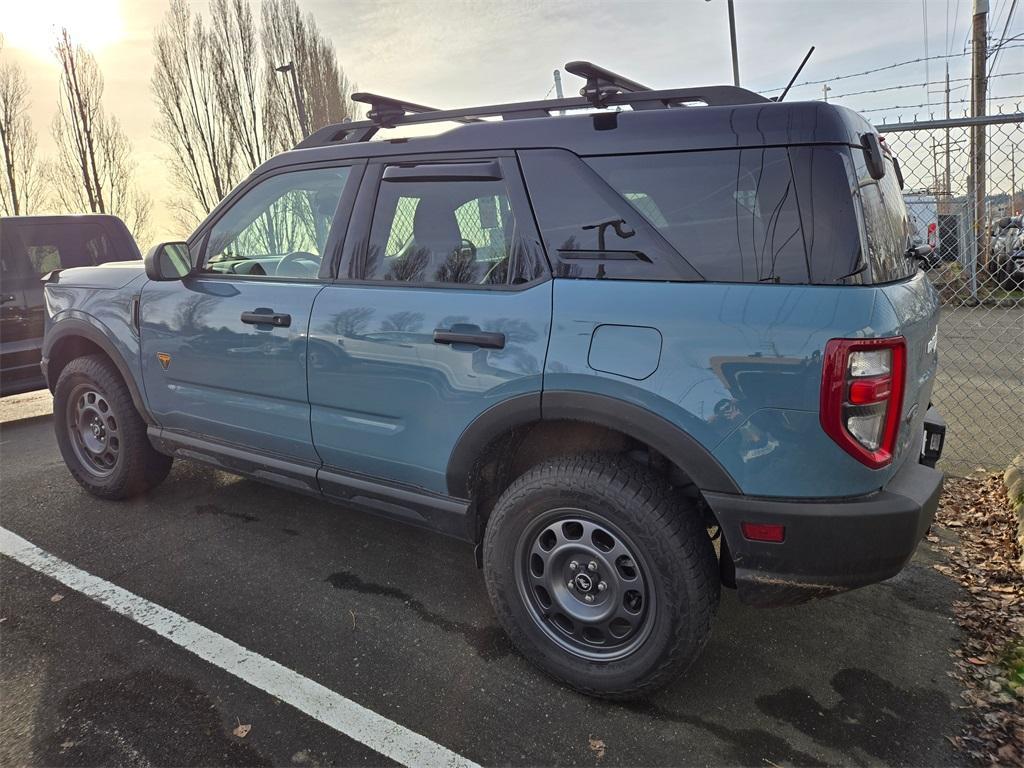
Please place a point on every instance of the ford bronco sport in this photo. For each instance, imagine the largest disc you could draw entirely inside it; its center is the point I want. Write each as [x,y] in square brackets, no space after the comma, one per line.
[653,343]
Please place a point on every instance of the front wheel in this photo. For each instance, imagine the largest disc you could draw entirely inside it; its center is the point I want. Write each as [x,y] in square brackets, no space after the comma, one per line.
[100,434]
[601,574]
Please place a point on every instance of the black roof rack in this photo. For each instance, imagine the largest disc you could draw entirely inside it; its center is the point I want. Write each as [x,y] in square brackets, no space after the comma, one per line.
[601,82]
[603,89]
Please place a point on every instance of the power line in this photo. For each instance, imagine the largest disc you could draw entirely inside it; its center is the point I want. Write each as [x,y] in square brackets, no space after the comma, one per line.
[919,85]
[879,69]
[1002,37]
[952,32]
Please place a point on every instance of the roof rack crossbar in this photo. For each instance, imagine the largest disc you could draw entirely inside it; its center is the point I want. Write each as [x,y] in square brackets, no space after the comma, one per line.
[388,112]
[614,90]
[602,83]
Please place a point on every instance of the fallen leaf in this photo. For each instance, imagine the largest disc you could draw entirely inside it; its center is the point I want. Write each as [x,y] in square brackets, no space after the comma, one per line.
[242,730]
[597,747]
[57,598]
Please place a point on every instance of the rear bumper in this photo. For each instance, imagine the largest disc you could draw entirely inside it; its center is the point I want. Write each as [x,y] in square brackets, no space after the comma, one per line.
[830,546]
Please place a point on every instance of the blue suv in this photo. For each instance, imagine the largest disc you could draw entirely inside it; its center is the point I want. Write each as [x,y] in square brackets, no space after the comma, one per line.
[632,346]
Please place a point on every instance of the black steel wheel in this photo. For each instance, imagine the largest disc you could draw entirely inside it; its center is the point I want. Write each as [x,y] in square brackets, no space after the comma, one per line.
[584,585]
[101,435]
[92,425]
[601,574]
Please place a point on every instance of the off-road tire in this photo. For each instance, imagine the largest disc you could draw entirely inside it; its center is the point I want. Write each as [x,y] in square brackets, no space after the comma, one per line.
[666,530]
[137,467]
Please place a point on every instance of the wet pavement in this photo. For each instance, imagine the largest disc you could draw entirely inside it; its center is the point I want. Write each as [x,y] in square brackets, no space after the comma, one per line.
[398,621]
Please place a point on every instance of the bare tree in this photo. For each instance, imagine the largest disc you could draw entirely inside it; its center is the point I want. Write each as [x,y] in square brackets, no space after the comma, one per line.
[288,36]
[93,170]
[239,77]
[204,161]
[21,183]
[224,109]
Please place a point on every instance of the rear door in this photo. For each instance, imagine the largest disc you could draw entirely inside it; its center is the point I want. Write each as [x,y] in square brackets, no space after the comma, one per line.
[224,350]
[442,310]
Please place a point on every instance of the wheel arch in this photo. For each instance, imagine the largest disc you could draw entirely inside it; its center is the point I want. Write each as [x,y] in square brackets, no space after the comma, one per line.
[534,424]
[72,338]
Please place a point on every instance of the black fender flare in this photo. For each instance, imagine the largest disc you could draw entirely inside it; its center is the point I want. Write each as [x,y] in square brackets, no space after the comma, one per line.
[673,442]
[62,329]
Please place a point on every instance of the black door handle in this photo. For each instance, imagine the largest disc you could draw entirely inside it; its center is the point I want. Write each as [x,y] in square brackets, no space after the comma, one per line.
[469,335]
[264,316]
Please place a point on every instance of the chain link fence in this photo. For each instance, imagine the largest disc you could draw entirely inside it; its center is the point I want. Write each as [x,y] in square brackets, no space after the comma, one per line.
[964,190]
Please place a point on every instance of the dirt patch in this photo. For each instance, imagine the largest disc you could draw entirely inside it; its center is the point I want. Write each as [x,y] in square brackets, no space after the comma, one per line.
[990,660]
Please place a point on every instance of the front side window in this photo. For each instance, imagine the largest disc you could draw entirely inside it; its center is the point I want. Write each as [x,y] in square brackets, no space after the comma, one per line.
[458,231]
[279,228]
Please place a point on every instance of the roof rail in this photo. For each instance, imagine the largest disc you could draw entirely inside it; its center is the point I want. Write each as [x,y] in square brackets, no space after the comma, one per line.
[603,89]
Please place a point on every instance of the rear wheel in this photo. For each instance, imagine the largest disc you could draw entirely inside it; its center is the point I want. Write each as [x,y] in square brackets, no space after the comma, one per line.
[601,574]
[100,434]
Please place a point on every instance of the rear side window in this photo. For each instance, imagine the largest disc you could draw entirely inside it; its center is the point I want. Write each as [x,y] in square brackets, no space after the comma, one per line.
[593,231]
[887,226]
[732,214]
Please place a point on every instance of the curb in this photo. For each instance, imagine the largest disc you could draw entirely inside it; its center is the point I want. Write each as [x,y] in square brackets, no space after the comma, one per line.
[1013,479]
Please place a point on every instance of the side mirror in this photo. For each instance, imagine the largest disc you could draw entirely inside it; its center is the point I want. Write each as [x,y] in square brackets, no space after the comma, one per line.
[873,156]
[921,252]
[168,261]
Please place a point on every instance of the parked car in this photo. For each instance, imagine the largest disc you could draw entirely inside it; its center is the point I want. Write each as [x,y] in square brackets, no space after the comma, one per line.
[30,247]
[1007,257]
[630,356]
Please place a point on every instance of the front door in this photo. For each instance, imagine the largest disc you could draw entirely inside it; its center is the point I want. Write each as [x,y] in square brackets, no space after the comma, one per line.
[224,350]
[443,310]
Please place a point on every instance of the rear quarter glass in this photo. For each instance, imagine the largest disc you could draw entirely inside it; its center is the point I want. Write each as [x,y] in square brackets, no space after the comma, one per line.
[764,215]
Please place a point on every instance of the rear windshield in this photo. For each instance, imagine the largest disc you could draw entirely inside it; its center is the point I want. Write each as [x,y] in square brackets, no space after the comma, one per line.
[41,246]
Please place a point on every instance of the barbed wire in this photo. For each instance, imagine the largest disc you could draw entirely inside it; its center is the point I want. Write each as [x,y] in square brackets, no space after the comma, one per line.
[920,85]
[882,69]
[933,104]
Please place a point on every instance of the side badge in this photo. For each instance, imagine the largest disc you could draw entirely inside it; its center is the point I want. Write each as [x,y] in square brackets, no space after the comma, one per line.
[164,359]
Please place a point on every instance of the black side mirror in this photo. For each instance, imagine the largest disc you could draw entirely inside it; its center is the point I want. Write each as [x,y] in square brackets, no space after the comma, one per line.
[873,156]
[168,261]
[921,252]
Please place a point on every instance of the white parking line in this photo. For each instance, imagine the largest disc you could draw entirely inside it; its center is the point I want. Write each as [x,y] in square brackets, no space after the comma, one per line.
[332,709]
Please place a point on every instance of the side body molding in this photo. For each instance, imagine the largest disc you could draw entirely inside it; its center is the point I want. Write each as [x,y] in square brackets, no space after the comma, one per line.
[677,445]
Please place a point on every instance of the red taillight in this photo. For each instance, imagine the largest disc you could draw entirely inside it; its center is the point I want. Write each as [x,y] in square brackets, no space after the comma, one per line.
[862,396]
[772,532]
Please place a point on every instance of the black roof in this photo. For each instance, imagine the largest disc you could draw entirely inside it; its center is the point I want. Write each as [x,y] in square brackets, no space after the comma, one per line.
[763,123]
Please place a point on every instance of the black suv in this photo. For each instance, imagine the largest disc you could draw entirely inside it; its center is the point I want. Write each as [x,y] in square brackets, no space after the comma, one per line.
[31,247]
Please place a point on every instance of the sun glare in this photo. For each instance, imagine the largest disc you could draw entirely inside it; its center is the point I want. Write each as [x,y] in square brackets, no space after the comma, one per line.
[33,25]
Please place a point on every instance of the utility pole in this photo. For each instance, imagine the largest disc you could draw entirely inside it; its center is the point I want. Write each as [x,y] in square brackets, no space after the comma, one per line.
[824,92]
[558,89]
[978,88]
[300,107]
[949,179]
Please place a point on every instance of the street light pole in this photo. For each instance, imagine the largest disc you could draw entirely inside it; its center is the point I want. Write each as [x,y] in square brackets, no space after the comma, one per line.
[299,106]
[732,41]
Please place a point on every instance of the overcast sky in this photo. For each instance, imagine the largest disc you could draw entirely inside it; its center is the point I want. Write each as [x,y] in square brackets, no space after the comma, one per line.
[451,53]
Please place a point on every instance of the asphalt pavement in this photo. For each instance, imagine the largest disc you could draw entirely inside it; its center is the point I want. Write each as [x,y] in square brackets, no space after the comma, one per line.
[398,621]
